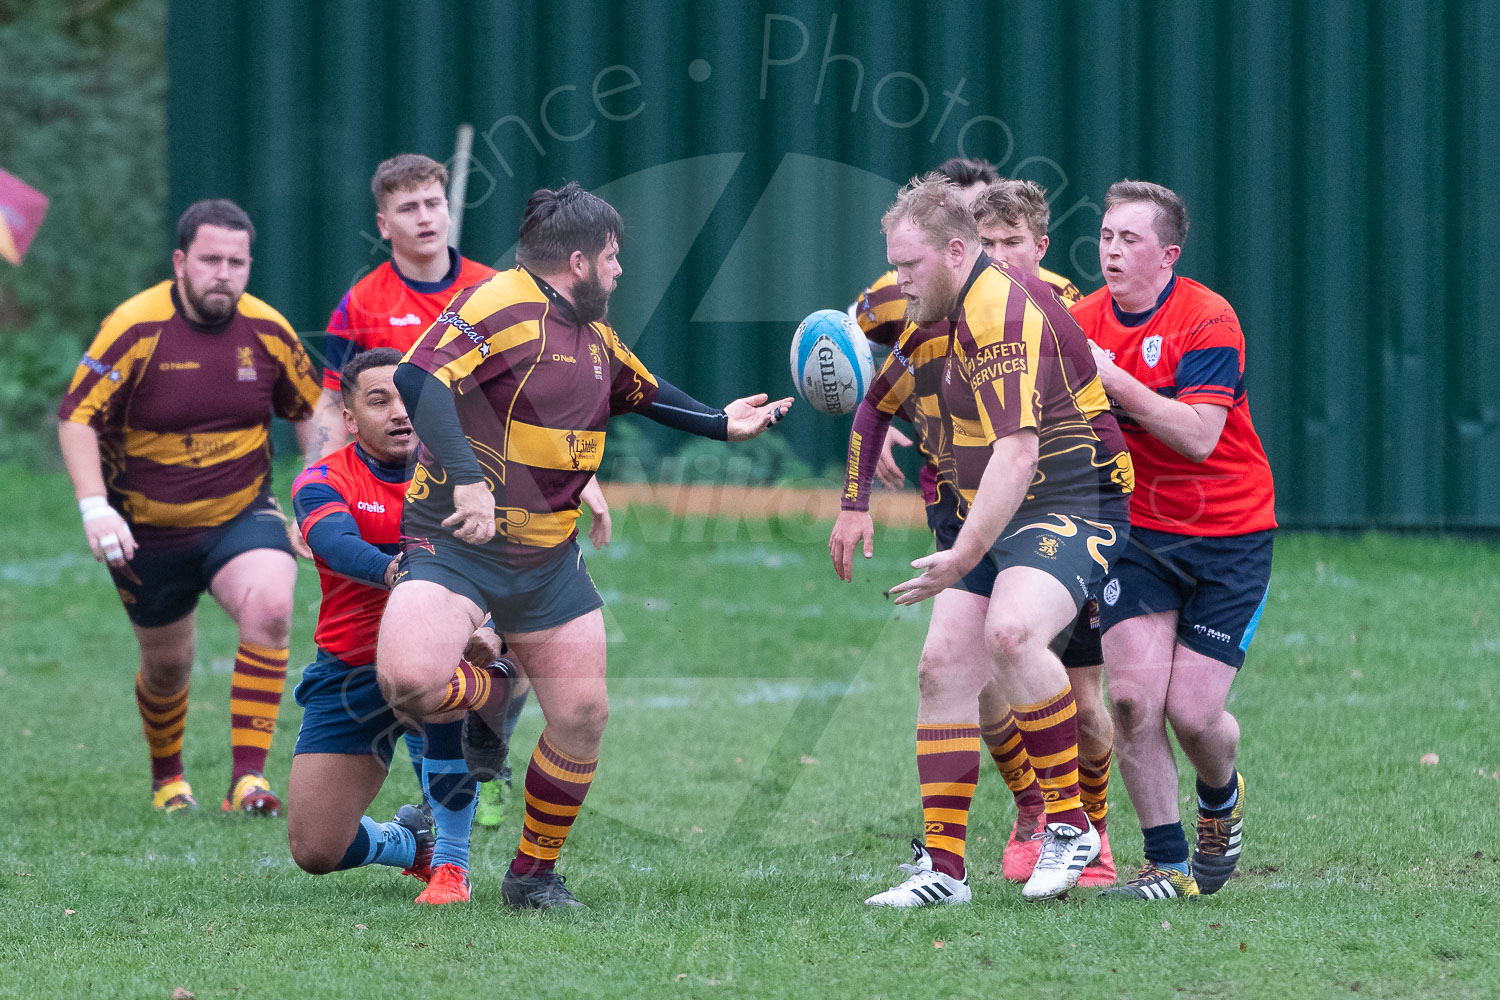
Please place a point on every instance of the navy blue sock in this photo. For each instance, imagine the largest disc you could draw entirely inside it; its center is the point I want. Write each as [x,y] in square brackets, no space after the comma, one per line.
[451,791]
[1166,845]
[389,844]
[1219,801]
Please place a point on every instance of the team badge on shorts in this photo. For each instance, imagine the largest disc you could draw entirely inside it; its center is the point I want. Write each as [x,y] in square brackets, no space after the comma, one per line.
[1112,592]
[1047,547]
[1151,351]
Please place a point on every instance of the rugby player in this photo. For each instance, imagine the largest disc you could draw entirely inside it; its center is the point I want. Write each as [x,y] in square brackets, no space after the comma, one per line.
[165,431]
[510,391]
[1181,605]
[348,507]
[1012,217]
[392,305]
[1043,470]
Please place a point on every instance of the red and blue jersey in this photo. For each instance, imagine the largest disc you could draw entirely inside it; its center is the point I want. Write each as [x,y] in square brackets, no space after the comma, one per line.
[1189,348]
[349,509]
[387,309]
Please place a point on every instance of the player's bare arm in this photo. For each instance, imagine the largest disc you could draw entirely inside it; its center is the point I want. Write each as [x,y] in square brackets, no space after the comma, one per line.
[108,535]
[1190,429]
[1003,486]
[325,428]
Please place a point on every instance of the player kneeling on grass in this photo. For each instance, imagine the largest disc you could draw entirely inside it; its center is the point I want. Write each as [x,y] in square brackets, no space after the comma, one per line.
[1042,476]
[349,509]
[511,390]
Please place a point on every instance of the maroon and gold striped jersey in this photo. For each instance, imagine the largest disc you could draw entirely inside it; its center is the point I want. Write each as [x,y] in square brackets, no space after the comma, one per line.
[1017,360]
[183,412]
[534,390]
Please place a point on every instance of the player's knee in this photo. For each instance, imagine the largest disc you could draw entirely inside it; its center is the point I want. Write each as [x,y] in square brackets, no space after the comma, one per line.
[583,719]
[1192,721]
[408,690]
[1132,711]
[312,854]
[272,616]
[1008,641]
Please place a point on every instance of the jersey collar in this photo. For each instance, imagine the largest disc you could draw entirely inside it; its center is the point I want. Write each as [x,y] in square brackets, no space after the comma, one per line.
[980,264]
[455,262]
[1136,319]
[559,302]
[380,470]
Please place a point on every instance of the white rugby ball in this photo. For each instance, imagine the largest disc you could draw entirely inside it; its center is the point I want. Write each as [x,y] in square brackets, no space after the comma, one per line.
[831,361]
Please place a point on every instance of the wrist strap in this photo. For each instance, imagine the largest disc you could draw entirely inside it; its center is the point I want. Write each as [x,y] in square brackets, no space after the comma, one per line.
[95,507]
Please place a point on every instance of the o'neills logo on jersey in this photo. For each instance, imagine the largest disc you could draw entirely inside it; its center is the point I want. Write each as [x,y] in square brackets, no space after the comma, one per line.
[410,319]
[371,506]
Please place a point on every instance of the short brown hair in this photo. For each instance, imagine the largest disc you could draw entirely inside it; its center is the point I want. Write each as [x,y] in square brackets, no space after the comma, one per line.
[1012,202]
[404,173]
[219,212]
[934,205]
[557,222]
[1171,222]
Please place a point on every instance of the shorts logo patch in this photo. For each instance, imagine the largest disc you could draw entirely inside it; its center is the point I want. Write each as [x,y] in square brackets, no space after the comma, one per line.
[1047,547]
[1151,351]
[1112,592]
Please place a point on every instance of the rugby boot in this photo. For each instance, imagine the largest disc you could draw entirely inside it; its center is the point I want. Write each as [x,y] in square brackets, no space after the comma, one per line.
[1066,850]
[1024,843]
[1101,871]
[449,884]
[420,825]
[1152,882]
[1218,849]
[537,892]
[173,795]
[925,886]
[251,794]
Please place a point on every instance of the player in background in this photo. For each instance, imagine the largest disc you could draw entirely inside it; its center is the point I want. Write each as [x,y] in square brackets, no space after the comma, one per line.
[1180,607]
[1042,469]
[880,312]
[510,391]
[165,431]
[348,507]
[1012,217]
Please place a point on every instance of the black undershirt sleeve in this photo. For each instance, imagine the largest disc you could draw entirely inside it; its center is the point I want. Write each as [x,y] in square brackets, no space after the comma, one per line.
[676,409]
[435,419]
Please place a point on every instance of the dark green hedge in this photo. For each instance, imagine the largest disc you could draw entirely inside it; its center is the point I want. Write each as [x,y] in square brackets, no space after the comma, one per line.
[83,119]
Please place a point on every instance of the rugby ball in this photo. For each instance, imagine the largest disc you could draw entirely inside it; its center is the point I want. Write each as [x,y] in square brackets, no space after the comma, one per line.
[831,361]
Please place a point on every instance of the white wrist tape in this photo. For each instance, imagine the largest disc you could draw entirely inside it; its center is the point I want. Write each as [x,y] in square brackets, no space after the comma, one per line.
[95,507]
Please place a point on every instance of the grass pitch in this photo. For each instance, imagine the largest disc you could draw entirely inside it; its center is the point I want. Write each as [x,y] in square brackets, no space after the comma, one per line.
[757,782]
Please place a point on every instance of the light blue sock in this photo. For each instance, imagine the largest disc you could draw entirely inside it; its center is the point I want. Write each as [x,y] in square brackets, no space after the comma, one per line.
[451,791]
[389,844]
[416,746]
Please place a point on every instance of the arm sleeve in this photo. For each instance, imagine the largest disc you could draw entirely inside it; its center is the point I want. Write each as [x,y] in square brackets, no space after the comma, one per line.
[435,419]
[865,439]
[324,518]
[676,409]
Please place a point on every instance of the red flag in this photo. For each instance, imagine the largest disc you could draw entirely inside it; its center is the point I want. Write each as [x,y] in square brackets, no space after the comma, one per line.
[22,208]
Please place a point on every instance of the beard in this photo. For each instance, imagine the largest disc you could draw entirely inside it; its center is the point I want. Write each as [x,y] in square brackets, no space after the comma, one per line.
[938,301]
[211,312]
[590,300]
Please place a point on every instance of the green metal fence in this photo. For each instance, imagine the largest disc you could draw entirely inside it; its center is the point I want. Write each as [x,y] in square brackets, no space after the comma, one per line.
[1339,161]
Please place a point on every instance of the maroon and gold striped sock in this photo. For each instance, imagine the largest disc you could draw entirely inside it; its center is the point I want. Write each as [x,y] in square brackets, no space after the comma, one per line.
[1004,742]
[163,718]
[555,787]
[948,767]
[254,702]
[1050,731]
[1093,786]
[474,688]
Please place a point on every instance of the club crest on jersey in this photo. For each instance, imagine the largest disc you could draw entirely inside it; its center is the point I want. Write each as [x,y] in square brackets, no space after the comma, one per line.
[1151,350]
[247,365]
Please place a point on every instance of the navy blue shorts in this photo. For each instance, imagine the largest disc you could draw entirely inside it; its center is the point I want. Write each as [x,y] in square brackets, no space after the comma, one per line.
[162,583]
[520,599]
[343,711]
[1217,586]
[1077,645]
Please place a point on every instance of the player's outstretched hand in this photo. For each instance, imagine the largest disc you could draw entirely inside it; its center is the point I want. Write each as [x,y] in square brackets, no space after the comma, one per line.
[940,571]
[473,517]
[593,499]
[851,529]
[109,536]
[886,469]
[750,416]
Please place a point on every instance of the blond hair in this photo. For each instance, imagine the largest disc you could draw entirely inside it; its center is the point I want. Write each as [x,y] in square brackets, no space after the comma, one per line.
[405,172]
[1171,222]
[1013,202]
[935,206]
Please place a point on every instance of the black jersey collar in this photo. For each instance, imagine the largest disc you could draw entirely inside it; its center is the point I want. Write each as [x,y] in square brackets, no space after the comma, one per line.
[559,300]
[980,264]
[1136,319]
[384,471]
